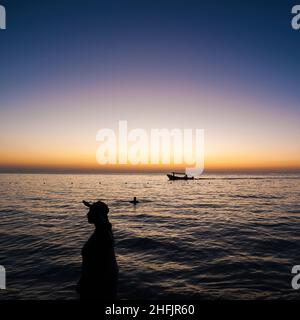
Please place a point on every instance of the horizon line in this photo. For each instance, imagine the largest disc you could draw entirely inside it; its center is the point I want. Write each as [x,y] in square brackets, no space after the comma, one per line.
[143,171]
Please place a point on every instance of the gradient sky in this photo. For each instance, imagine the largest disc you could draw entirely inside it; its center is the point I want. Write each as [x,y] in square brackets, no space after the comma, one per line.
[71,67]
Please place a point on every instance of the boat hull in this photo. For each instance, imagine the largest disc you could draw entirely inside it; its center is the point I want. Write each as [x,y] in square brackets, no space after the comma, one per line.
[172,177]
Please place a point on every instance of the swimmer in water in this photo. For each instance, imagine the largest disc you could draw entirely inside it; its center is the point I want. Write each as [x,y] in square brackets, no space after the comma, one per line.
[134,201]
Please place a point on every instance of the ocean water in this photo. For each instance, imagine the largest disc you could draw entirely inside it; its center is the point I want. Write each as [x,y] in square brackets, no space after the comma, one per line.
[222,237]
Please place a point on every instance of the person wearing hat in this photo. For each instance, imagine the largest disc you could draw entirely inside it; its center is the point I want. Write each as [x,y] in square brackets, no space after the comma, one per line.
[99,273]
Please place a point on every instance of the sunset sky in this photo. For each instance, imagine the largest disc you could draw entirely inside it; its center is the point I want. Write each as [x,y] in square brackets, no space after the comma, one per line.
[69,68]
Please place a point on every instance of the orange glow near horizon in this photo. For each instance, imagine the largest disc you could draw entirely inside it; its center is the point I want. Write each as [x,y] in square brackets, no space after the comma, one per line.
[87,162]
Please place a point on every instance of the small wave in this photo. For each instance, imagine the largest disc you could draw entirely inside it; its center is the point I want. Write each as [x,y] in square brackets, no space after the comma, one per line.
[255,196]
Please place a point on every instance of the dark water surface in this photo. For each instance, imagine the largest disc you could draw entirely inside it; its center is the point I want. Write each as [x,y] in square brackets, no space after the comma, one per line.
[233,237]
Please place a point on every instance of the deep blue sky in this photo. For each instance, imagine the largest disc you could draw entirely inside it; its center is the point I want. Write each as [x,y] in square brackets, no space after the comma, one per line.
[50,42]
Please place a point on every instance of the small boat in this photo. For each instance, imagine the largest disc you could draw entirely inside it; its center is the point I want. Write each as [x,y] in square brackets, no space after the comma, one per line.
[179,176]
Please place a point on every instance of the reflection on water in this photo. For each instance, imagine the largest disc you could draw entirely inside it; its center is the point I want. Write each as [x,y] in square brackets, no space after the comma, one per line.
[220,237]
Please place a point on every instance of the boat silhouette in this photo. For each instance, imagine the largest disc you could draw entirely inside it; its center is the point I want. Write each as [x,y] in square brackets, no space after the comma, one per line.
[179,176]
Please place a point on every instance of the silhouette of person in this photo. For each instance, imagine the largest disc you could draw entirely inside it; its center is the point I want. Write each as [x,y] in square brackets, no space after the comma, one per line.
[99,273]
[134,201]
